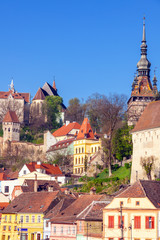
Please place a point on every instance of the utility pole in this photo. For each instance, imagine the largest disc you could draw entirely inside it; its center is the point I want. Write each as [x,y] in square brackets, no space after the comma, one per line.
[121,224]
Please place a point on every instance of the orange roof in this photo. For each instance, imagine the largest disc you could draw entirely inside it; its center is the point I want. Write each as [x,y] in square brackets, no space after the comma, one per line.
[65,129]
[150,118]
[85,130]
[11,117]
[3,176]
[49,168]
[15,95]
[40,95]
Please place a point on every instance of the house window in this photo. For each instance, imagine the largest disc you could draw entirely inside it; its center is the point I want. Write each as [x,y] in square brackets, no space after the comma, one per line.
[137,203]
[82,160]
[149,222]
[9,228]
[120,224]
[121,203]
[21,219]
[69,230]
[54,229]
[110,221]
[39,219]
[4,228]
[6,189]
[73,230]
[76,160]
[80,226]
[10,218]
[33,219]
[47,224]
[27,219]
[79,150]
[61,229]
[79,160]
[24,172]
[137,222]
[76,150]
[82,149]
[5,218]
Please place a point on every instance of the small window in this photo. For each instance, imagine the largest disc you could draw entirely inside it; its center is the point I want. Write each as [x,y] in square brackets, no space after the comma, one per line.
[121,203]
[6,189]
[73,230]
[110,221]
[39,219]
[137,222]
[33,219]
[4,228]
[54,229]
[137,203]
[24,172]
[10,218]
[15,228]
[5,218]
[62,229]
[21,219]
[27,219]
[149,222]
[9,228]
[69,230]
[80,226]
[47,224]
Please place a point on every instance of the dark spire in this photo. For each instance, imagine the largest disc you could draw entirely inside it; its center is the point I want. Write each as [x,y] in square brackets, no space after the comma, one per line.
[143,65]
[154,79]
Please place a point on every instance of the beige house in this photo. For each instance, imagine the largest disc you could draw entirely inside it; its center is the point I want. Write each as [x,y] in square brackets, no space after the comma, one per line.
[146,142]
[134,213]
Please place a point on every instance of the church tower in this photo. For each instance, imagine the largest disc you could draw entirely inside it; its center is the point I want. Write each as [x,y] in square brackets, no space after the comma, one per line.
[142,90]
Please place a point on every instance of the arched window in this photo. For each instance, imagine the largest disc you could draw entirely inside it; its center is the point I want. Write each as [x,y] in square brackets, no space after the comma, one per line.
[82,149]
[95,149]
[79,161]
[76,160]
[79,150]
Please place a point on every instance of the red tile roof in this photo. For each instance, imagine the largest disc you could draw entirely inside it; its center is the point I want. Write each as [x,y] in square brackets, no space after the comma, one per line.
[85,130]
[15,95]
[11,117]
[49,168]
[70,213]
[61,144]
[40,95]
[66,129]
[33,202]
[142,189]
[150,118]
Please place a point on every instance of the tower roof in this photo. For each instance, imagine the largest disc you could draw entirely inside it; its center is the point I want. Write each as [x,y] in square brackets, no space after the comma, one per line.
[143,63]
[11,117]
[40,95]
[85,130]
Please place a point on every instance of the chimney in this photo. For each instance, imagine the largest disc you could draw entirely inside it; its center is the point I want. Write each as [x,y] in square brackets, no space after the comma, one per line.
[35,183]
[92,191]
[67,122]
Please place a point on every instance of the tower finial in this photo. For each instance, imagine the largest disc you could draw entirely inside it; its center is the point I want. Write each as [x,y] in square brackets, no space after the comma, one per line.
[54,84]
[144,30]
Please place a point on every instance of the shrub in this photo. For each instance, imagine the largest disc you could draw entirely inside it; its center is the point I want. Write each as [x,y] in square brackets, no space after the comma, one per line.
[127,165]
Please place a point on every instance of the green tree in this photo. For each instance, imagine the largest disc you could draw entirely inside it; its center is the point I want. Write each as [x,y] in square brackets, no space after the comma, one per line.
[52,109]
[122,142]
[147,164]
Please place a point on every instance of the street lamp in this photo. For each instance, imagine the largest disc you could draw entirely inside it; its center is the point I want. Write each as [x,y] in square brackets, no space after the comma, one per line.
[131,227]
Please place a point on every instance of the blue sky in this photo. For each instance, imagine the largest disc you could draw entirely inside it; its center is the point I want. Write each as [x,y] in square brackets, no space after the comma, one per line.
[88,45]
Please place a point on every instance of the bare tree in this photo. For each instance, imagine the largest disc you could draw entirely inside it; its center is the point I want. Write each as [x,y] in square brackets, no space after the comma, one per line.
[147,164]
[11,105]
[110,112]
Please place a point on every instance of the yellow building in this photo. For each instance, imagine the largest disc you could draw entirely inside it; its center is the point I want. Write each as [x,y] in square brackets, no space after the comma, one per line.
[23,218]
[85,147]
[134,213]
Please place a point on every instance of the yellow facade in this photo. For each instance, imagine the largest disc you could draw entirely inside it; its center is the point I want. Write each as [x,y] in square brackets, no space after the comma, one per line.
[84,149]
[22,226]
[132,208]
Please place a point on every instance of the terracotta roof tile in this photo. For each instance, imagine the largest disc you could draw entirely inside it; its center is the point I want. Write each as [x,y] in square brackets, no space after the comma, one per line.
[15,95]
[150,118]
[85,130]
[142,189]
[70,213]
[33,202]
[66,129]
[11,117]
[40,95]
[61,144]
[94,211]
[49,168]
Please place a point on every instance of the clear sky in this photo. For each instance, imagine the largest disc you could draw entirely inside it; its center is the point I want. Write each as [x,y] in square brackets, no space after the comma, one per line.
[88,45]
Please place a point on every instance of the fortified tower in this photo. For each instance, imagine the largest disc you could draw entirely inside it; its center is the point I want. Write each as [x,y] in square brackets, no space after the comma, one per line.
[142,90]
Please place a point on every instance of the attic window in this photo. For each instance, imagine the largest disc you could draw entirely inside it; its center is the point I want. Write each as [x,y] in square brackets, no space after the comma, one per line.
[30,206]
[41,206]
[90,130]
[14,206]
[62,213]
[137,203]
